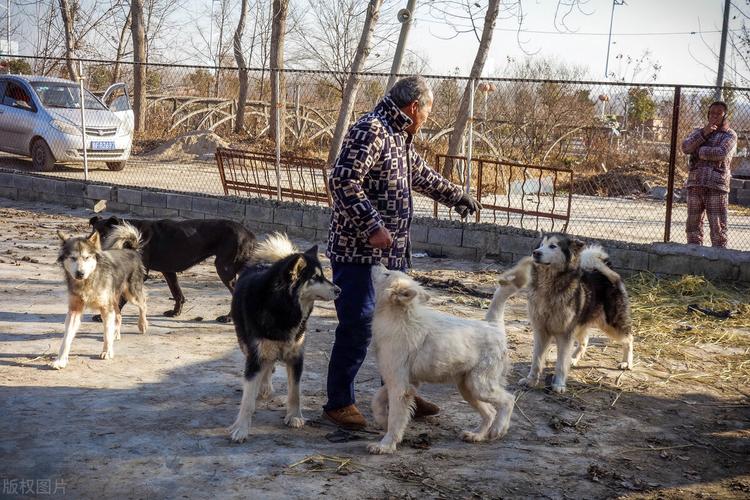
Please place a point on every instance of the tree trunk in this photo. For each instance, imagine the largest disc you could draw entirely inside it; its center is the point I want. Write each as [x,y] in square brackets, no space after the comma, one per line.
[459,129]
[352,83]
[121,49]
[278,28]
[139,69]
[239,120]
[67,18]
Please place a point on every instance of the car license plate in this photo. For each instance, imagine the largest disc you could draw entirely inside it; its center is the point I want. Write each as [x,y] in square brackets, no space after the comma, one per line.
[102,145]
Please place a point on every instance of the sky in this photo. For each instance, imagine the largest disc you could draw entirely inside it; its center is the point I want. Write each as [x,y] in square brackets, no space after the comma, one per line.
[685,58]
[683,36]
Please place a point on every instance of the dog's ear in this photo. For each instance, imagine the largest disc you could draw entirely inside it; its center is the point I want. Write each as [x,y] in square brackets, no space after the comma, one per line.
[114,221]
[62,236]
[96,240]
[295,267]
[576,245]
[402,292]
[312,252]
[424,296]
[94,220]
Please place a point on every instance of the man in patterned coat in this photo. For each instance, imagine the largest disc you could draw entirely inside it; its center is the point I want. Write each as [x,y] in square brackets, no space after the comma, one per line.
[711,149]
[371,184]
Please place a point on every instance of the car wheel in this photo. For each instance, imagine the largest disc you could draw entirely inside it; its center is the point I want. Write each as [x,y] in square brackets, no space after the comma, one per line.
[116,165]
[41,156]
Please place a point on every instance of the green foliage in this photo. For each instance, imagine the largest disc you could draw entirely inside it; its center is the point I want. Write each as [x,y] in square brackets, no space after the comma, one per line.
[641,105]
[18,66]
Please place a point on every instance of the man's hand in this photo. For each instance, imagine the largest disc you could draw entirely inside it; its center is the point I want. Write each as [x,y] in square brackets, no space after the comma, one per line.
[709,129]
[381,239]
[467,205]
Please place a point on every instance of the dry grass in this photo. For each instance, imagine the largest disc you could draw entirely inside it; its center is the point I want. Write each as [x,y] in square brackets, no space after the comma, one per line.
[674,342]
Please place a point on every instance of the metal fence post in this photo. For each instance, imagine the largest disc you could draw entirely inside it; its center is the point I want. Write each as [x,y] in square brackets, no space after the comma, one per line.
[471,134]
[672,161]
[83,123]
[278,135]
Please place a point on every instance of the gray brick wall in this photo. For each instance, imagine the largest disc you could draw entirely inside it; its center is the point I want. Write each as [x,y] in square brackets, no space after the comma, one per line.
[436,237]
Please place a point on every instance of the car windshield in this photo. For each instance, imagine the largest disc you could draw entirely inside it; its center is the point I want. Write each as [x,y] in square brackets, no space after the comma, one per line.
[64,95]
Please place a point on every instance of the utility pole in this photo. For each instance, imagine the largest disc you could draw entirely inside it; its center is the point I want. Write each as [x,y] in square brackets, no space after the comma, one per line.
[405,17]
[722,51]
[609,40]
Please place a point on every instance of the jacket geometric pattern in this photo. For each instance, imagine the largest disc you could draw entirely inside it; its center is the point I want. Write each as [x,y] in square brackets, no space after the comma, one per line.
[710,158]
[371,185]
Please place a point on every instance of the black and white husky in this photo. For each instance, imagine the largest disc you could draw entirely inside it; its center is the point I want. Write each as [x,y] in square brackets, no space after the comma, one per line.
[272,301]
[570,289]
[97,276]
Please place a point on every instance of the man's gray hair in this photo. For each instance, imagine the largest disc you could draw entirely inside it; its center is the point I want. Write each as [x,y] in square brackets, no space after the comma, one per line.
[410,89]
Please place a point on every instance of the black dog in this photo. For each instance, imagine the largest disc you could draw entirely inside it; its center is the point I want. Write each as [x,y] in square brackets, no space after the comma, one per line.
[171,246]
[270,307]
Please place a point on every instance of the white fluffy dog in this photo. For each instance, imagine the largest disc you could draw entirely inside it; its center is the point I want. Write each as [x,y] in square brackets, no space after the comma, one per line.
[415,344]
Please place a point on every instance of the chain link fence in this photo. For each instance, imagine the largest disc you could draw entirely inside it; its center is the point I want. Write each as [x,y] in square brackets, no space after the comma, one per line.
[615,139]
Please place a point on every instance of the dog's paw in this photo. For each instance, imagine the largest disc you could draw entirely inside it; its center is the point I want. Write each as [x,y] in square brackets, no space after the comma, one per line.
[118,336]
[224,318]
[558,388]
[107,355]
[625,366]
[265,392]
[381,449]
[171,313]
[528,382]
[239,431]
[472,437]
[294,421]
[59,364]
[96,318]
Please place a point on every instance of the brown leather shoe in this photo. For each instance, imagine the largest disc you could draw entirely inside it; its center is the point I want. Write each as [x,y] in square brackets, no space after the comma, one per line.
[423,408]
[347,417]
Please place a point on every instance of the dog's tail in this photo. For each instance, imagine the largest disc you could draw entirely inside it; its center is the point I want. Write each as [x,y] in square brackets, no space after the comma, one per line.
[123,236]
[275,247]
[510,282]
[594,258]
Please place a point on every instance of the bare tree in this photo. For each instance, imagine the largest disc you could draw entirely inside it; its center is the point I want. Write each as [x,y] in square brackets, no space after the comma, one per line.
[239,121]
[457,138]
[278,104]
[139,59]
[67,17]
[349,95]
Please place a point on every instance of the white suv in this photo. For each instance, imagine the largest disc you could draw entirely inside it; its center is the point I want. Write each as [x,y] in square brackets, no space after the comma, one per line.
[40,117]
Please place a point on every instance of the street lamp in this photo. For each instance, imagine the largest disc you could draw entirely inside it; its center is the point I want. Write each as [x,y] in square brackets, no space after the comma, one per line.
[609,40]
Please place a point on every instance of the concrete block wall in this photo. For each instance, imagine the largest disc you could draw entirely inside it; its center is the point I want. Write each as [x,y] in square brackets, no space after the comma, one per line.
[739,191]
[439,238]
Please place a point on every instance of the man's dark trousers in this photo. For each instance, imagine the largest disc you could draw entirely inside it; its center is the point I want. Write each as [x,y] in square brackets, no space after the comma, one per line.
[354,307]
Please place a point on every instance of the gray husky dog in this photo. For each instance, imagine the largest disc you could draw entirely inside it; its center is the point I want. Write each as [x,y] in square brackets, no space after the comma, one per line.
[571,288]
[97,276]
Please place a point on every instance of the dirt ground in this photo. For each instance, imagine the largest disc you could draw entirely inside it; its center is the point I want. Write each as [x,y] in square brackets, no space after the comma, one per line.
[151,423]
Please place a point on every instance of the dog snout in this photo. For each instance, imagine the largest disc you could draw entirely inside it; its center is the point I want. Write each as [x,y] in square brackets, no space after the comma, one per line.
[336,292]
[537,254]
[79,275]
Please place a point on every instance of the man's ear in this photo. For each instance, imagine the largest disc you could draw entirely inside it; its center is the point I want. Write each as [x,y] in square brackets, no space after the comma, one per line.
[94,219]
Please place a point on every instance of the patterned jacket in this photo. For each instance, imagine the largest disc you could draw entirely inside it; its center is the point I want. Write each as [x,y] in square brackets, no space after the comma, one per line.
[371,185]
[710,158]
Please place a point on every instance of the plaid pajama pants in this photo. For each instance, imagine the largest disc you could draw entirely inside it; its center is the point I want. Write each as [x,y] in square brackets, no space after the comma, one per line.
[714,203]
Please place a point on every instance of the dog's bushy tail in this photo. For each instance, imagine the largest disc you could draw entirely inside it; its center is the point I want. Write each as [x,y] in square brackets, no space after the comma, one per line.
[594,258]
[510,282]
[123,236]
[275,247]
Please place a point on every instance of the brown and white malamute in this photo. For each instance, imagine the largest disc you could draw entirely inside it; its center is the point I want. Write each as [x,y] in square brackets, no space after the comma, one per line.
[97,277]
[570,289]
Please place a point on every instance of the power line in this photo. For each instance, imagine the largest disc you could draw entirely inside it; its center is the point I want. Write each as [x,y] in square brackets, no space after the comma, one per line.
[586,33]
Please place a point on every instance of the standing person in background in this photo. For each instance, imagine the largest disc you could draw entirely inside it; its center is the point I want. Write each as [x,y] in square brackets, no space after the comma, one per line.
[711,149]
[371,184]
